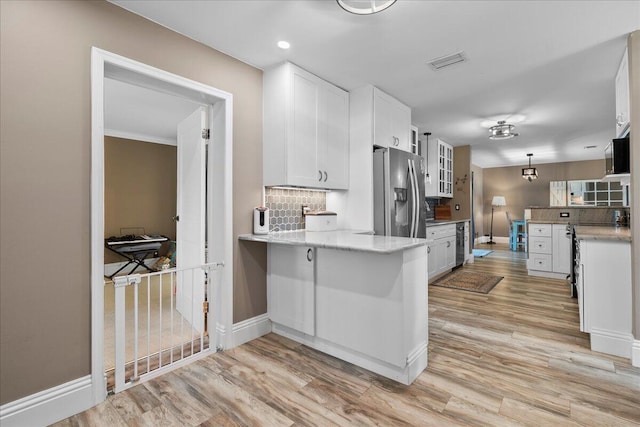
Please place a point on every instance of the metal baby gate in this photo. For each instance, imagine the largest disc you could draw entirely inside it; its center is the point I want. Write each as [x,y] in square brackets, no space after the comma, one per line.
[162,321]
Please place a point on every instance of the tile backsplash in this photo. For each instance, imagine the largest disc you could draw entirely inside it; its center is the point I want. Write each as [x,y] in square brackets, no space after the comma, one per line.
[286,207]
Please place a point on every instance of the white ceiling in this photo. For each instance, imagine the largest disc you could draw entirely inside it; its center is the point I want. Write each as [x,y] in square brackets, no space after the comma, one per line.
[135,112]
[549,63]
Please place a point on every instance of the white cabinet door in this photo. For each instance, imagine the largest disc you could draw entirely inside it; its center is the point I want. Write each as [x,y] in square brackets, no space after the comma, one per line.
[622,96]
[383,120]
[450,250]
[432,260]
[391,122]
[291,287]
[561,250]
[306,130]
[335,137]
[439,159]
[402,125]
[304,133]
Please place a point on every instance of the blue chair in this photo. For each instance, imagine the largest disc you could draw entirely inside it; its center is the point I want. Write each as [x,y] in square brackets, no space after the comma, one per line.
[517,233]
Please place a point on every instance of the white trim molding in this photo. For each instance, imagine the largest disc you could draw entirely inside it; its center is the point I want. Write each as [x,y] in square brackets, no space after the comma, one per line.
[250,329]
[219,211]
[612,342]
[635,353]
[110,269]
[497,239]
[49,406]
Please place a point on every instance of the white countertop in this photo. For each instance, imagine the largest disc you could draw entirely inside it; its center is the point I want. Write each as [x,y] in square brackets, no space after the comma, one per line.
[350,240]
[587,232]
[433,223]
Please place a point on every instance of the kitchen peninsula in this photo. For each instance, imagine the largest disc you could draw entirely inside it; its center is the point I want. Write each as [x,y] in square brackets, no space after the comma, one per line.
[356,296]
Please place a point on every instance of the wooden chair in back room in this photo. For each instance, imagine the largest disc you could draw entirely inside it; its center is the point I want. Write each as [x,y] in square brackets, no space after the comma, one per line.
[517,233]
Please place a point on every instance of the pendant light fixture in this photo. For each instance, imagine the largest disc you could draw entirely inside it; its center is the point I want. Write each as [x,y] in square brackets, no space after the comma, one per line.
[530,173]
[365,7]
[502,130]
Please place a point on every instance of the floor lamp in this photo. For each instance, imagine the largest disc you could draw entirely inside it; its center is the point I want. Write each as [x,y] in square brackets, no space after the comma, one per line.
[497,201]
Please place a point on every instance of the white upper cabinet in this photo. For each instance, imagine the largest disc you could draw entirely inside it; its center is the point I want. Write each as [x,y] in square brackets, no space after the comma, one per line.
[306,130]
[439,159]
[384,118]
[622,96]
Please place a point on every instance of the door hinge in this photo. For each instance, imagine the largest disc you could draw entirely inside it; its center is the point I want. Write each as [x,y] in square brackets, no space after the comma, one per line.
[205,307]
[206,134]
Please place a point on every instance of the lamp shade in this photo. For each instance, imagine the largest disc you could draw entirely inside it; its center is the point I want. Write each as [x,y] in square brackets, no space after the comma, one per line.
[498,201]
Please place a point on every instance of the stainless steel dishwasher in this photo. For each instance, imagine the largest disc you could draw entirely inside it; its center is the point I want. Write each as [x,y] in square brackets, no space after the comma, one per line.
[459,243]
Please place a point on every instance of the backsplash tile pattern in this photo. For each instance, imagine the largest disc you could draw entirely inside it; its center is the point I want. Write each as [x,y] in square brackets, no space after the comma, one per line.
[578,215]
[286,207]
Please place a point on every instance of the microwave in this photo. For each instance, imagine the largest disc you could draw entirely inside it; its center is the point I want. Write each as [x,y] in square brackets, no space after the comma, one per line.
[616,156]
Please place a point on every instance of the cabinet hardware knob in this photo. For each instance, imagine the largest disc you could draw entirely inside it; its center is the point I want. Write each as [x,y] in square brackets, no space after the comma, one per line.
[325,176]
[309,254]
[428,249]
[320,175]
[448,244]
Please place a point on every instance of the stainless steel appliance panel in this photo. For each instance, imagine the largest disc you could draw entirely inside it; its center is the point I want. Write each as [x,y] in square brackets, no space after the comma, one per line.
[399,204]
[459,243]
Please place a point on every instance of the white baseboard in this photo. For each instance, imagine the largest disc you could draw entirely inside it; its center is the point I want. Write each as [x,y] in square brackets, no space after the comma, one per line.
[251,329]
[612,342]
[49,406]
[635,353]
[110,269]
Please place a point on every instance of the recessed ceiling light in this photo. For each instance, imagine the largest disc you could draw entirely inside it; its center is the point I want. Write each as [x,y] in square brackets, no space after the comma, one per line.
[283,44]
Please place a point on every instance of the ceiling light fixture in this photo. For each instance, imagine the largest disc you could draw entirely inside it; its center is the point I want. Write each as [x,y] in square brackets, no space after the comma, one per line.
[365,7]
[530,173]
[283,44]
[502,130]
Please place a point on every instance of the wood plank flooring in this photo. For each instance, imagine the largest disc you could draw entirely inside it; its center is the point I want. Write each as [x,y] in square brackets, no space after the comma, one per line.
[512,357]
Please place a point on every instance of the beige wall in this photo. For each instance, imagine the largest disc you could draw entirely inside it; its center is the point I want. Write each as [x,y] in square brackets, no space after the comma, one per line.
[45,323]
[478,198]
[633,45]
[139,189]
[520,194]
[461,185]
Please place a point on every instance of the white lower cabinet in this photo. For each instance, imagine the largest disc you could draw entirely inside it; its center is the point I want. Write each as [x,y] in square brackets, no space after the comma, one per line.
[604,295]
[291,287]
[367,308]
[549,250]
[441,251]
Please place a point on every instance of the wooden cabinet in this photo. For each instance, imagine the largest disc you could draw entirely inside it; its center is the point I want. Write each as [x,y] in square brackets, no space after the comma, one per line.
[291,287]
[441,250]
[549,250]
[439,158]
[622,96]
[605,296]
[381,119]
[306,130]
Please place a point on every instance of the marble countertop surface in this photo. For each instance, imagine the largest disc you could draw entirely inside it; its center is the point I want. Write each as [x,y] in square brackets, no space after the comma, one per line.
[351,240]
[600,232]
[444,222]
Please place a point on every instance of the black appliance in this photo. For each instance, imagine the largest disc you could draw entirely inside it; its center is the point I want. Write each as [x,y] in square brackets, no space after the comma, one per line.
[616,156]
[459,244]
[575,261]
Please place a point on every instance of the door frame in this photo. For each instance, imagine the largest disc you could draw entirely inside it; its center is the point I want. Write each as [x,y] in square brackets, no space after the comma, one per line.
[219,182]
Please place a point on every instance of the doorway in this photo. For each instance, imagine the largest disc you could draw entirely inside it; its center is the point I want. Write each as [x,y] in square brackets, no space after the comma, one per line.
[209,228]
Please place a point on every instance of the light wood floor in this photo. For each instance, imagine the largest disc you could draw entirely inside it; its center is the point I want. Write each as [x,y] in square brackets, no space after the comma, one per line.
[512,357]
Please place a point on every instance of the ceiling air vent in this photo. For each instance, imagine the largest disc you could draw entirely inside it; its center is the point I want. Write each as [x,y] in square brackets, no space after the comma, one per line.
[446,61]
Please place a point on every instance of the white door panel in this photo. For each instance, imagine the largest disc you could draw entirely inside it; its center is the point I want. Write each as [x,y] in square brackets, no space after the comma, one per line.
[190,227]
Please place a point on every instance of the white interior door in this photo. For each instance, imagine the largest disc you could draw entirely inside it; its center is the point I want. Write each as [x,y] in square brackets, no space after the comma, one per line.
[190,226]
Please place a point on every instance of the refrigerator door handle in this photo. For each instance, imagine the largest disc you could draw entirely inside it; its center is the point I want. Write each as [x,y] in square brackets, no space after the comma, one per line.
[414,183]
[416,205]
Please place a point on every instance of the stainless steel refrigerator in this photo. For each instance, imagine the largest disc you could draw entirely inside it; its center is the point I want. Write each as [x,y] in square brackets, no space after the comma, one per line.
[399,206]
